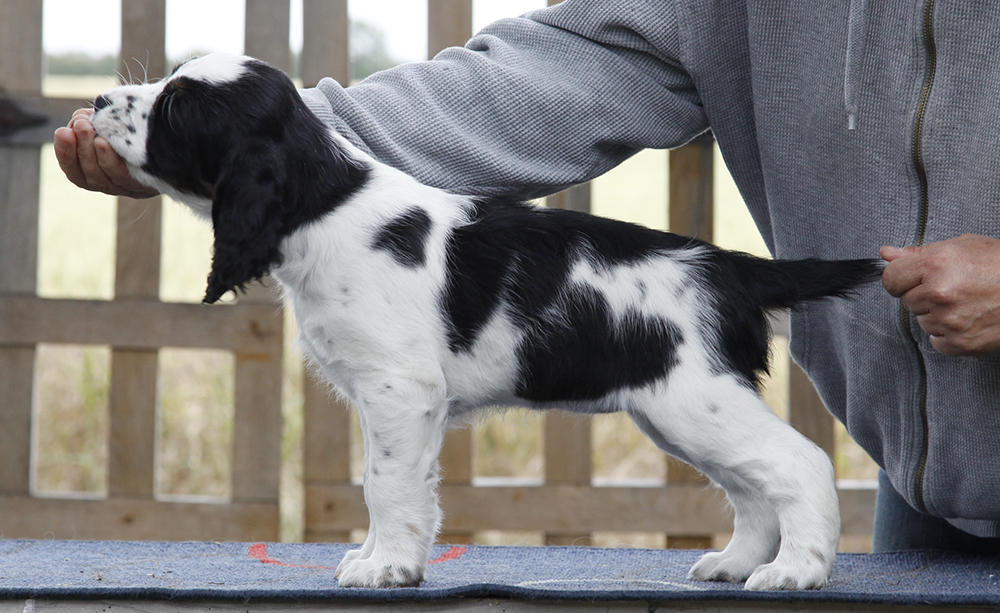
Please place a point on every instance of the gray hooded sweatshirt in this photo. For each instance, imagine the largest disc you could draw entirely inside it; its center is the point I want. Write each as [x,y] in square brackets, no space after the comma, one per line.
[847,124]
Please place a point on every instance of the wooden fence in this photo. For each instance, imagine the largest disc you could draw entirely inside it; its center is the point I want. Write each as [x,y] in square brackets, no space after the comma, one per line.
[565,507]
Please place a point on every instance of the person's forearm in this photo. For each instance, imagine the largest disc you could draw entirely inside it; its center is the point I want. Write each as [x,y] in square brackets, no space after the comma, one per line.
[530,105]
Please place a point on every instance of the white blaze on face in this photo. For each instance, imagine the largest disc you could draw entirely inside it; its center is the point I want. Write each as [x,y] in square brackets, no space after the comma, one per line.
[216,68]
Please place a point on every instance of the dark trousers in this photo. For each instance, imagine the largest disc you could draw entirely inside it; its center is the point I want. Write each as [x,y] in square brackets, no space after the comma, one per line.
[900,527]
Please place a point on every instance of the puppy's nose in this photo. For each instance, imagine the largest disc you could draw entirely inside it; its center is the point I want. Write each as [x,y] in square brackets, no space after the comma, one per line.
[100,102]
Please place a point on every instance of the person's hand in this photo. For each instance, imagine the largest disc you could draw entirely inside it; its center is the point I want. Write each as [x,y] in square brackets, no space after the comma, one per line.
[953,288]
[89,161]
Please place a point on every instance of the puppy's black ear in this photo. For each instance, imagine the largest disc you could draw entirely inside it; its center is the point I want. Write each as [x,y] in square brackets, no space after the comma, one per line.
[248,218]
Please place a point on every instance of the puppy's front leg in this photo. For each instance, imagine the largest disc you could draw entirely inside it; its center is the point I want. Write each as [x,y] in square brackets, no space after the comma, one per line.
[403,424]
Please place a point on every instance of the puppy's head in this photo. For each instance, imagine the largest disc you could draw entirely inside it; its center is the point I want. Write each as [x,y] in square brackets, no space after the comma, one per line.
[230,137]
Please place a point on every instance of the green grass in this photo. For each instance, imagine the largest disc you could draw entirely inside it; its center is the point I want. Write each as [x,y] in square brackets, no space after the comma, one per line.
[195,392]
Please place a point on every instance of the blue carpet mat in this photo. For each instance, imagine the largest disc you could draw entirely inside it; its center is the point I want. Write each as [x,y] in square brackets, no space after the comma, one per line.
[295,571]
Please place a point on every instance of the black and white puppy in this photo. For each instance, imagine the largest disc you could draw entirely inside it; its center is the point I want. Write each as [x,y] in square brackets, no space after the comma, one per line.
[421,305]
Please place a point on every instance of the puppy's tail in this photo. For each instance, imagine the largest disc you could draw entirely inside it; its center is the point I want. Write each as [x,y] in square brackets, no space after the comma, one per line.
[789,283]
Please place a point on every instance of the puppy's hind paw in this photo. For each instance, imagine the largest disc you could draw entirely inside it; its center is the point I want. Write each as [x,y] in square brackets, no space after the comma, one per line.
[373,572]
[777,576]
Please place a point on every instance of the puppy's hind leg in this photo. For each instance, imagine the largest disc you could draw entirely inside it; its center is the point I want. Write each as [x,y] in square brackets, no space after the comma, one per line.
[756,534]
[771,473]
[403,423]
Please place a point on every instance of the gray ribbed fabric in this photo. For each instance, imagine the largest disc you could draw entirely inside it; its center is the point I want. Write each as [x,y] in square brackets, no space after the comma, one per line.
[535,104]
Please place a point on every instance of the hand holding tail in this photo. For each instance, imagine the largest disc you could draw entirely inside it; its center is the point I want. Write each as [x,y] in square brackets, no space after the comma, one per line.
[953,289]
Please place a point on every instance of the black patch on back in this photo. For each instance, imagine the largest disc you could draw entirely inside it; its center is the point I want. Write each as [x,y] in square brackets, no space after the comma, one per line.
[521,255]
[405,237]
[518,257]
[585,354]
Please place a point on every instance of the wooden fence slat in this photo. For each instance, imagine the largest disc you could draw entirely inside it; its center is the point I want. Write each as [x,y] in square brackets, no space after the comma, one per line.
[568,461]
[21,47]
[136,519]
[143,41]
[568,437]
[132,423]
[548,508]
[18,271]
[327,434]
[139,324]
[325,41]
[137,257]
[684,509]
[17,367]
[257,420]
[806,411]
[449,24]
[266,32]
[20,74]
[456,470]
[257,431]
[692,198]
[132,396]
[692,202]
[326,446]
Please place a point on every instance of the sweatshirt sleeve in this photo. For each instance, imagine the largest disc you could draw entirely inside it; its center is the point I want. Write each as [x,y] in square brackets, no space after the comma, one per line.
[530,105]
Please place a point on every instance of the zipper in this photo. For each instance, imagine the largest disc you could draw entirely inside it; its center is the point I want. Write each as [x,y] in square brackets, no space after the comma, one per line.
[923,213]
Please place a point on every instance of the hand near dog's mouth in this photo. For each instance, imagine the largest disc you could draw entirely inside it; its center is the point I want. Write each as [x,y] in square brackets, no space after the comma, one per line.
[90,162]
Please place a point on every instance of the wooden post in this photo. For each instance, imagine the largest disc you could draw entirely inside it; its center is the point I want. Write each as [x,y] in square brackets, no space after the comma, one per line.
[327,453]
[806,411]
[327,433]
[449,24]
[132,399]
[691,214]
[568,461]
[266,32]
[20,73]
[692,194]
[568,454]
[257,419]
[325,42]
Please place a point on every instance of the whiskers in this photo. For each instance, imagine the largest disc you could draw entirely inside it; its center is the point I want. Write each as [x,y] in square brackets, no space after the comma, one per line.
[130,80]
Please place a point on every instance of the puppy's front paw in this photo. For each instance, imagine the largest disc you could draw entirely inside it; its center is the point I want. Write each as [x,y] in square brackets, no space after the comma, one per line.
[375,571]
[722,566]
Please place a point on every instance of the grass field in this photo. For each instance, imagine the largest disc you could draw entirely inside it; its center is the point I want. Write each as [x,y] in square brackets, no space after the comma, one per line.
[195,395]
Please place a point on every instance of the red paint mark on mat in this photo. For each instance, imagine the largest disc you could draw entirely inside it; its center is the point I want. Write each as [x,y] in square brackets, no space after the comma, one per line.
[452,554]
[258,551]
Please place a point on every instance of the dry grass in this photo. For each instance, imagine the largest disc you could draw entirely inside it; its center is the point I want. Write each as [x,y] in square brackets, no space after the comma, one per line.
[195,393]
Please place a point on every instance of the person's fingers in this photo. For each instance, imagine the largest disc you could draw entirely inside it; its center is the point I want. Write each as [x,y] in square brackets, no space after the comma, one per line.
[96,178]
[903,272]
[111,163]
[64,144]
[80,114]
[117,171]
[890,253]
